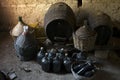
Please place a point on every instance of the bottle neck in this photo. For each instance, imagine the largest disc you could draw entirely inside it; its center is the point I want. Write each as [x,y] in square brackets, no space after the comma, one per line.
[25,30]
[20,19]
[42,52]
[46,55]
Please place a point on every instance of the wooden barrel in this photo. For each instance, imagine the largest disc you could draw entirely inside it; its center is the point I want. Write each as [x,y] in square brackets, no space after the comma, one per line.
[59,21]
[101,23]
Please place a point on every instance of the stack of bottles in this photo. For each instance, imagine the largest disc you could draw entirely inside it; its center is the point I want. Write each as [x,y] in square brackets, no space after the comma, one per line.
[54,60]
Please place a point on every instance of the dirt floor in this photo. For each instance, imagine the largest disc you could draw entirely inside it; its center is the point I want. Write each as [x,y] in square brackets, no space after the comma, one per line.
[9,63]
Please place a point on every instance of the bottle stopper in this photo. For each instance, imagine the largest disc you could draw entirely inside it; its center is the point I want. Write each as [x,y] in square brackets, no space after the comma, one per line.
[41,48]
[66,54]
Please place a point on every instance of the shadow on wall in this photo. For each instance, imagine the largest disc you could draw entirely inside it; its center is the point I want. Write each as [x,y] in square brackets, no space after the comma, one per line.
[6,16]
[81,15]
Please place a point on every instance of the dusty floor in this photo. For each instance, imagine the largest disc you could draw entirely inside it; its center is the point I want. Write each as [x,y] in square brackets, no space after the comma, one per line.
[10,63]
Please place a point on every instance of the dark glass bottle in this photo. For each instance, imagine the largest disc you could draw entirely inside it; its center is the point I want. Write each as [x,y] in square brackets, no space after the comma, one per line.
[88,67]
[40,55]
[51,55]
[45,63]
[56,64]
[79,67]
[61,55]
[67,63]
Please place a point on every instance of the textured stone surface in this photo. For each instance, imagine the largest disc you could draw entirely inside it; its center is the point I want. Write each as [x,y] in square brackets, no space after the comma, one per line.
[34,11]
[111,7]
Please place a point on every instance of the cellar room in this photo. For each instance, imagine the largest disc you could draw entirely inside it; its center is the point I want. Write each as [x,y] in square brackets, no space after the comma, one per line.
[59,39]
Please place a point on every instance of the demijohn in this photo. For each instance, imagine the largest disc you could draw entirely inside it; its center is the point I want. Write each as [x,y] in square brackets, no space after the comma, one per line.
[61,55]
[26,45]
[67,63]
[45,63]
[51,55]
[56,64]
[18,29]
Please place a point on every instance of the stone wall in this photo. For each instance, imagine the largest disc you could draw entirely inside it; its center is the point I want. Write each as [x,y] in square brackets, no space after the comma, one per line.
[111,7]
[33,11]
